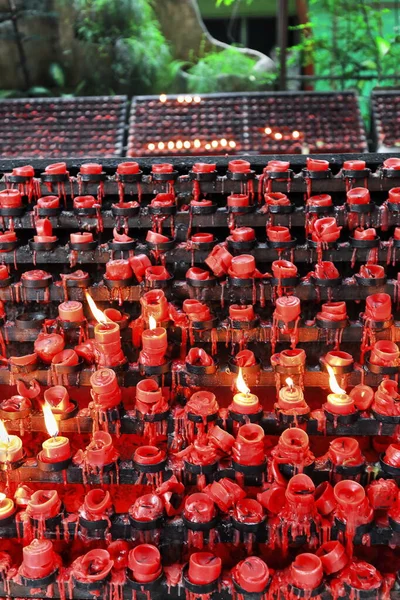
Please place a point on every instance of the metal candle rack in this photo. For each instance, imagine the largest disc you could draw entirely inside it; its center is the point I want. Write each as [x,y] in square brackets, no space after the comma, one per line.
[174,534]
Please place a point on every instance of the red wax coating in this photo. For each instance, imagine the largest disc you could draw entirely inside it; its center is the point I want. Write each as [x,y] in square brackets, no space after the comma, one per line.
[349,495]
[104,381]
[156,238]
[306,571]
[157,273]
[277,166]
[148,394]
[382,493]
[204,568]
[56,169]
[251,574]
[10,199]
[119,551]
[201,238]
[47,345]
[163,200]
[84,201]
[91,169]
[392,455]
[248,448]
[300,494]
[362,576]
[363,396]
[145,563]
[316,164]
[162,168]
[49,202]
[333,311]
[293,448]
[245,358]
[155,339]
[95,565]
[338,358]
[43,504]
[378,307]
[287,308]
[248,510]
[278,233]
[238,200]
[128,168]
[372,271]
[276,199]
[386,399]
[202,202]
[204,167]
[225,493]
[71,311]
[100,450]
[25,171]
[345,451]
[238,166]
[4,274]
[202,403]
[66,357]
[114,315]
[290,358]
[8,236]
[199,508]
[241,312]
[243,234]
[320,200]
[154,303]
[149,455]
[117,270]
[197,274]
[107,333]
[364,234]
[81,237]
[333,557]
[242,266]
[392,163]
[221,439]
[55,450]
[147,508]
[394,195]
[385,353]
[139,264]
[325,230]
[198,357]
[358,195]
[219,260]
[324,498]
[39,559]
[273,498]
[354,165]
[96,504]
[57,397]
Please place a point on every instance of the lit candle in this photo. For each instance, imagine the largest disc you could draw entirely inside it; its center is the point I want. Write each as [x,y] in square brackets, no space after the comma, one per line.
[107,337]
[11,449]
[291,398]
[7,507]
[56,448]
[244,402]
[155,345]
[338,402]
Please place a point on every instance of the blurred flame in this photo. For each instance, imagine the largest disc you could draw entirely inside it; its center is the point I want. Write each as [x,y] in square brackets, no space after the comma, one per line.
[241,384]
[3,433]
[50,420]
[163,98]
[333,384]
[96,312]
[2,498]
[289,381]
[152,322]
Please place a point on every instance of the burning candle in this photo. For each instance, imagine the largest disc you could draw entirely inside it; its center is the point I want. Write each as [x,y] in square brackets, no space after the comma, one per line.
[204,568]
[56,448]
[145,563]
[71,311]
[251,574]
[306,571]
[291,399]
[7,507]
[107,337]
[39,559]
[155,343]
[11,449]
[155,305]
[338,402]
[244,402]
[248,448]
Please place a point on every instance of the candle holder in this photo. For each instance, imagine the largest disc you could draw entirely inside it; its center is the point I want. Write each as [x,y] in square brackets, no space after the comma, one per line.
[198,362]
[128,172]
[199,516]
[203,207]
[150,464]
[163,246]
[203,241]
[36,279]
[15,408]
[95,513]
[147,515]
[248,518]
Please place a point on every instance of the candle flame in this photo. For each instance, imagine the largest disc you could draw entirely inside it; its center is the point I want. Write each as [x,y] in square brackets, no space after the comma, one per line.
[96,312]
[289,382]
[333,384]
[241,384]
[152,322]
[2,498]
[50,420]
[3,433]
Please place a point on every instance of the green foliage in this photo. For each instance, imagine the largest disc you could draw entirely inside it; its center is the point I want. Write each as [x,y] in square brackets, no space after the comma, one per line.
[228,70]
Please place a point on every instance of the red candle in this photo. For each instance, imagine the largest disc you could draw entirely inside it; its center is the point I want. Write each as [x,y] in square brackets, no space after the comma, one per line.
[108,345]
[197,274]
[382,493]
[278,234]
[43,504]
[225,493]
[372,271]
[56,169]
[84,202]
[204,167]
[71,311]
[292,358]
[238,200]
[345,451]
[95,565]
[282,269]
[394,195]
[155,345]
[248,448]
[364,234]
[251,574]
[7,507]
[320,200]
[57,398]
[354,165]
[202,238]
[378,307]
[306,571]
[397,233]
[154,304]
[91,169]
[163,200]
[358,195]
[239,312]
[363,396]
[145,563]
[325,230]
[100,451]
[204,568]
[199,508]
[96,504]
[157,273]
[79,237]
[276,199]
[326,270]
[243,234]
[386,400]
[56,448]
[333,311]
[139,264]
[25,171]
[221,439]
[333,557]
[105,391]
[392,455]
[245,358]
[156,238]
[162,168]
[39,559]
[349,495]
[287,309]
[10,198]
[219,260]
[392,163]
[202,202]
[148,395]
[48,202]
[238,166]
[128,168]
[148,507]
[337,358]
[148,455]
[118,270]
[385,353]
[4,274]
[277,166]
[248,511]
[242,266]
[315,164]
[202,403]
[198,357]
[324,498]
[47,345]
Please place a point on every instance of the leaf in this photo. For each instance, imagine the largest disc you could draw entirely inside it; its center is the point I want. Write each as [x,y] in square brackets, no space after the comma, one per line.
[369,65]
[57,74]
[39,91]
[382,45]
